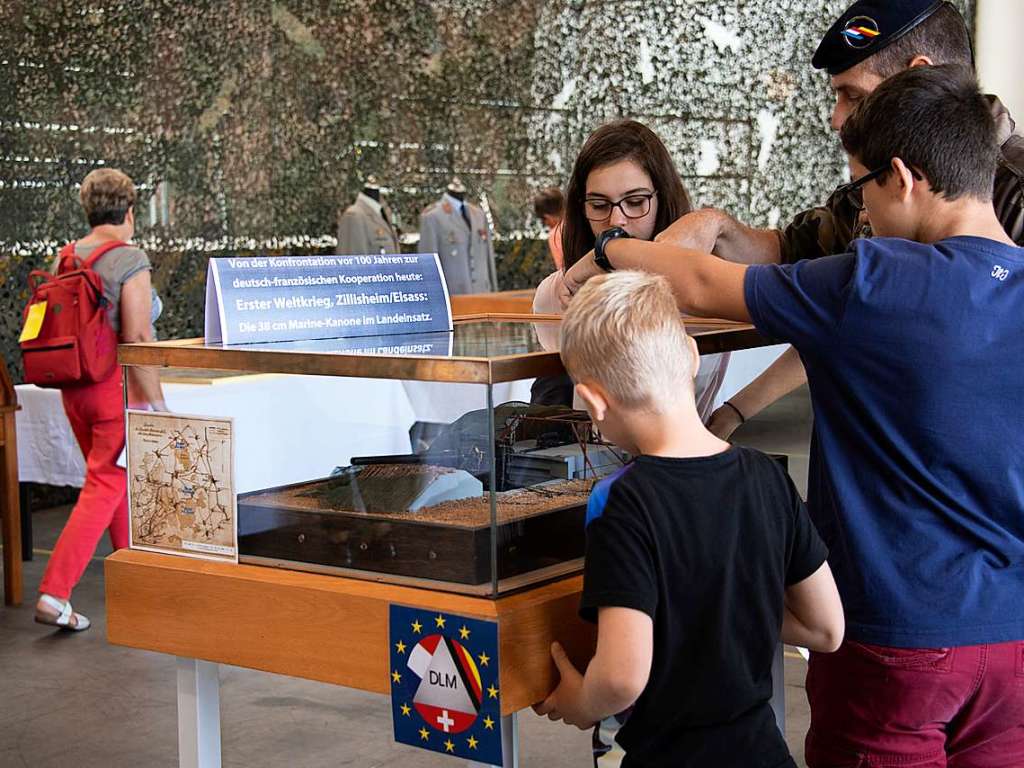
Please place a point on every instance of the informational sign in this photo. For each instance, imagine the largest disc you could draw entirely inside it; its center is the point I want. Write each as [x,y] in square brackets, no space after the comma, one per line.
[445,695]
[181,487]
[256,299]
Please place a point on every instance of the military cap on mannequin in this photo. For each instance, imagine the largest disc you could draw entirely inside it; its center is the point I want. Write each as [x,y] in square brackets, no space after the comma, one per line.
[867,27]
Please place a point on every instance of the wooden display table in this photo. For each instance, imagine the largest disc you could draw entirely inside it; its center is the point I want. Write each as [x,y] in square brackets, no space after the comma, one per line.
[334,628]
[10,510]
[325,628]
[514,302]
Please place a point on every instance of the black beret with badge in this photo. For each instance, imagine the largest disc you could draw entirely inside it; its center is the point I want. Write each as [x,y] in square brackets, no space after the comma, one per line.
[867,27]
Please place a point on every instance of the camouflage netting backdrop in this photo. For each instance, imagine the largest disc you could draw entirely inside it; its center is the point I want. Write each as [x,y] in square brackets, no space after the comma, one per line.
[247,124]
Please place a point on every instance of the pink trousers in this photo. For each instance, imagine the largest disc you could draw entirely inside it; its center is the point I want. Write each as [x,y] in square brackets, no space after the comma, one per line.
[96,413]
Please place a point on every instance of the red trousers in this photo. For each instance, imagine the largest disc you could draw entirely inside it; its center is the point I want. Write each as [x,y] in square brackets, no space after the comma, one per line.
[878,707]
[96,413]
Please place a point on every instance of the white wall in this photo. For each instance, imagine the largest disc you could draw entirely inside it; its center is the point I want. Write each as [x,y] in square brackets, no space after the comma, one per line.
[998,27]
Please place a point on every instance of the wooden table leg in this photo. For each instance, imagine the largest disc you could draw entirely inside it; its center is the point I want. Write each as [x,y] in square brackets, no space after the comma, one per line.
[198,714]
[11,515]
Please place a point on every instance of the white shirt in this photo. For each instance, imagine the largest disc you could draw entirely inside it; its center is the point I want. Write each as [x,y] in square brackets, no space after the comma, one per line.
[454,201]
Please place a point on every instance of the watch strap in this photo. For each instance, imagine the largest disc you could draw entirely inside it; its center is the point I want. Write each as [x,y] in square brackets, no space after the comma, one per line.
[600,257]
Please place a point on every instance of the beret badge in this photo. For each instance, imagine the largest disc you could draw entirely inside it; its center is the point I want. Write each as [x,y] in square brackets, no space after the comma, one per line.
[860,32]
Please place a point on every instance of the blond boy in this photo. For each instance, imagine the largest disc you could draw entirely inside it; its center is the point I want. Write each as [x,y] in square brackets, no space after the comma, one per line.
[698,552]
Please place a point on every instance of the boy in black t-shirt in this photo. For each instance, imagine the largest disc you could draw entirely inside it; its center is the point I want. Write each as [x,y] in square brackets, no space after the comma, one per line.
[700,555]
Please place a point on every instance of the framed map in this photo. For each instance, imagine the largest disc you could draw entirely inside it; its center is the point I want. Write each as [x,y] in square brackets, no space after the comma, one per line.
[181,488]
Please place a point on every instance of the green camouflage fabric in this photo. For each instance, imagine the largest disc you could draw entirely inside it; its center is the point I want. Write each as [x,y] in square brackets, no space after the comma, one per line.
[831,228]
[823,231]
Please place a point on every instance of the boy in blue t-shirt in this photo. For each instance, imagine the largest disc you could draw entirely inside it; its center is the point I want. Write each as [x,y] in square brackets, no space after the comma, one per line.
[697,553]
[913,348]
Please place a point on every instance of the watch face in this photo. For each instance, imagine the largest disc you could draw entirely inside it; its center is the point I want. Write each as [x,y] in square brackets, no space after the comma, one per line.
[600,258]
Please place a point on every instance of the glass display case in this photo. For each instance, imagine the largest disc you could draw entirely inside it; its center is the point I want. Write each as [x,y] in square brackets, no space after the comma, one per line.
[413,460]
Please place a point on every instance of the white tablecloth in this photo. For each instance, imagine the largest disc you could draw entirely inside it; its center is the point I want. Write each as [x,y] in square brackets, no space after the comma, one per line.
[287,428]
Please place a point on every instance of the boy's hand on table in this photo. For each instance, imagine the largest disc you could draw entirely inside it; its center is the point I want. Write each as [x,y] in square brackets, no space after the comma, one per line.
[566,701]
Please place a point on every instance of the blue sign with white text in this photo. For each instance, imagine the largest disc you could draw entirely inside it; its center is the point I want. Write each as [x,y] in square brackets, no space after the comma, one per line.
[255,299]
[444,683]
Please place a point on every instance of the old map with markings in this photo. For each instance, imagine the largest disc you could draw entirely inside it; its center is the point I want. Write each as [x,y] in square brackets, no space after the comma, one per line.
[181,485]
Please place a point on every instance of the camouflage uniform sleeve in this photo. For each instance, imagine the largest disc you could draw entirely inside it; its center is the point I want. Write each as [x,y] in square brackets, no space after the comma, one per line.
[1008,196]
[822,231]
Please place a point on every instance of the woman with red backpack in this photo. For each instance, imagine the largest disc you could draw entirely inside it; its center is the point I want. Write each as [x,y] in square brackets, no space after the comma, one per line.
[96,409]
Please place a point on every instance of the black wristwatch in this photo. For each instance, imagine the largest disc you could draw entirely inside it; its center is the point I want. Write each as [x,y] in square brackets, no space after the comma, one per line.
[600,258]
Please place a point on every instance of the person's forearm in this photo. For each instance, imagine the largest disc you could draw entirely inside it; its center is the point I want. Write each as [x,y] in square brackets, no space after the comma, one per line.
[779,379]
[144,387]
[796,632]
[710,230]
[824,638]
[738,243]
[704,285]
[602,695]
[812,614]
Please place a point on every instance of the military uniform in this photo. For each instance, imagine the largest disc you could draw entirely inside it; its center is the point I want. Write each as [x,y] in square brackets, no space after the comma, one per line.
[457,232]
[364,229]
[864,29]
[831,228]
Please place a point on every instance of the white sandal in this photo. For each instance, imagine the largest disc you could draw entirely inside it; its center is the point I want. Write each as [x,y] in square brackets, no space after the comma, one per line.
[63,617]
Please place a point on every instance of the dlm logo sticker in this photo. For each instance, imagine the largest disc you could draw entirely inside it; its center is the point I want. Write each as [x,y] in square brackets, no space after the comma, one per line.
[445,694]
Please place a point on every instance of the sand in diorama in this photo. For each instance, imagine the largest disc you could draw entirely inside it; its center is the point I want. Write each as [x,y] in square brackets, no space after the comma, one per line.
[394,492]
[344,522]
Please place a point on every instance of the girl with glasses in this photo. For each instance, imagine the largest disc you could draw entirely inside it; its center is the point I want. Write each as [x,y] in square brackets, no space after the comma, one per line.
[623,177]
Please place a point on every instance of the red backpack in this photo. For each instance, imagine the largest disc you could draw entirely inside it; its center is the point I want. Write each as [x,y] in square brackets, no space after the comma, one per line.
[75,344]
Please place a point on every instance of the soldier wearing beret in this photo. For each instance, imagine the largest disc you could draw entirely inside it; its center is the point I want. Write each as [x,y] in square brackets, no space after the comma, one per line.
[871,41]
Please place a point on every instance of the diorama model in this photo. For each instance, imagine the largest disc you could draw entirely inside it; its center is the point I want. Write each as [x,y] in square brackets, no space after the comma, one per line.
[429,514]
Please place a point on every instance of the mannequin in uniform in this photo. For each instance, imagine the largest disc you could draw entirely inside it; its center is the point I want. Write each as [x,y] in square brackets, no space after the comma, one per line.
[365,226]
[457,232]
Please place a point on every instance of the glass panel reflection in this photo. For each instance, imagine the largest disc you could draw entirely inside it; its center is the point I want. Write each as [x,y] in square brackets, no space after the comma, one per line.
[481,339]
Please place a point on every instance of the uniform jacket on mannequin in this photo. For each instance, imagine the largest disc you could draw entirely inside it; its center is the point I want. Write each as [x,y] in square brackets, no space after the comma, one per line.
[363,229]
[466,251]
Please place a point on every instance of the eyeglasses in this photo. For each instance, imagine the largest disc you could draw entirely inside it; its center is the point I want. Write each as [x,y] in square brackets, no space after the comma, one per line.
[853,193]
[634,206]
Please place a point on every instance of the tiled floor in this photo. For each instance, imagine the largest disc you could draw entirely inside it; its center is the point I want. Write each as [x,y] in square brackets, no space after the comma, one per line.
[76,700]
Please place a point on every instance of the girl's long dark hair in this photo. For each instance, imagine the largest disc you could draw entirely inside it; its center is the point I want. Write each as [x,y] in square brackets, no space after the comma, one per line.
[612,142]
